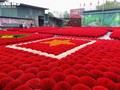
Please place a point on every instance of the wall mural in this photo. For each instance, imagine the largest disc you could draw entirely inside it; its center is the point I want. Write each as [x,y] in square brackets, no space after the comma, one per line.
[111,19]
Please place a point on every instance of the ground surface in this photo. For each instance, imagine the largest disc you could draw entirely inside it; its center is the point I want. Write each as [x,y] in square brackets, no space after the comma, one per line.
[61,63]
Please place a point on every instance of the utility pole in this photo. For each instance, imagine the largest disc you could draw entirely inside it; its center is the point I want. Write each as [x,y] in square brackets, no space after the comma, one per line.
[102,24]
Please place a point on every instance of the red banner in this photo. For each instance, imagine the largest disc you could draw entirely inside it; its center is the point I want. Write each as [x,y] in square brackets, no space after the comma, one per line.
[76,13]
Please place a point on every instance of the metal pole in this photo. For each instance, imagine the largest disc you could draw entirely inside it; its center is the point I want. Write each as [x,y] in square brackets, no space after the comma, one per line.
[102,14]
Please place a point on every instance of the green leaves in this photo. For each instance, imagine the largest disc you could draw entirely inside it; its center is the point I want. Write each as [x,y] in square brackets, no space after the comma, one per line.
[108,5]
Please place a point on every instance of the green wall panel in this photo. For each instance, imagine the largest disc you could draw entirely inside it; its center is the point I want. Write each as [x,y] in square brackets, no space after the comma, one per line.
[103,19]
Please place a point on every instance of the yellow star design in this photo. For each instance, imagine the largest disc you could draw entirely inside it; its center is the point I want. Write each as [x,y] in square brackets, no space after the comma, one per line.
[58,42]
[7,36]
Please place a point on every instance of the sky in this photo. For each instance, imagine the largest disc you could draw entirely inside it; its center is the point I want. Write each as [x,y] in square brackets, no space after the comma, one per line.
[63,5]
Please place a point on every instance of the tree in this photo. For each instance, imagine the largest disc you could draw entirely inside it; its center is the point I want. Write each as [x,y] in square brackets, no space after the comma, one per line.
[60,15]
[109,5]
[66,15]
[50,14]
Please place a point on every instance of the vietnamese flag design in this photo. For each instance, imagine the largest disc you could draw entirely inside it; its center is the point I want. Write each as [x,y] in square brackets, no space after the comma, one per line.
[54,46]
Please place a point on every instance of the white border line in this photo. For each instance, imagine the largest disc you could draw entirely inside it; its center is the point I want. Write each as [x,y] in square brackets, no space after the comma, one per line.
[60,56]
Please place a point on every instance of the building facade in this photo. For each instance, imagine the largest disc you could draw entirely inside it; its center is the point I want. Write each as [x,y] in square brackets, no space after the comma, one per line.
[53,21]
[22,14]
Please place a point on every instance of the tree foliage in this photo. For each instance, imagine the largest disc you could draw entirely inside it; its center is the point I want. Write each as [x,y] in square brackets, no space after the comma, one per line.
[109,5]
[66,15]
[50,14]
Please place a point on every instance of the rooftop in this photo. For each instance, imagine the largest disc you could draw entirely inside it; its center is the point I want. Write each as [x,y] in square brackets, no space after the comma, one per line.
[37,7]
